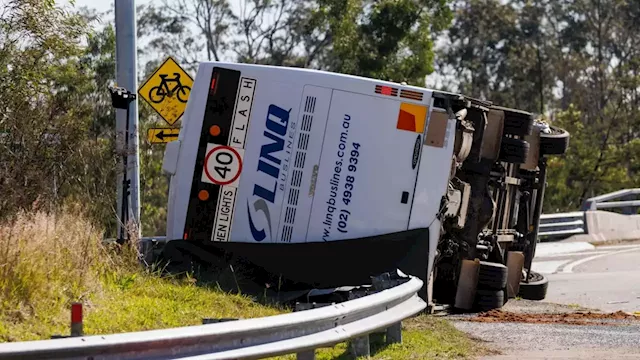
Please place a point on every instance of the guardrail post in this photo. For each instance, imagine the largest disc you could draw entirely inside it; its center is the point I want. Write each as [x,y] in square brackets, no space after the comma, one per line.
[360,346]
[394,332]
[306,355]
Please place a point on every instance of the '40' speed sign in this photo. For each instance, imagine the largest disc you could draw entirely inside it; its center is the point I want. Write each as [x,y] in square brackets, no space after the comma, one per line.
[222,165]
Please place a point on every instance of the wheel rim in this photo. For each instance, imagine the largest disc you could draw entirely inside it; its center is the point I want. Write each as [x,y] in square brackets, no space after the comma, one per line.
[534,276]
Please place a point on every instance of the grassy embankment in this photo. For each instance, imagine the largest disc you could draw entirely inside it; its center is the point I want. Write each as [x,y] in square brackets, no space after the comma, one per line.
[47,262]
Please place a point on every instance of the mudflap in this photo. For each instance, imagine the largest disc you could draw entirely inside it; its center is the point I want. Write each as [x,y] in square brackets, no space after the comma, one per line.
[289,270]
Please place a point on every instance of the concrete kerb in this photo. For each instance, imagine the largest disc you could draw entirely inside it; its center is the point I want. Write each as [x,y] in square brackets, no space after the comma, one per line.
[607,227]
[584,243]
[605,238]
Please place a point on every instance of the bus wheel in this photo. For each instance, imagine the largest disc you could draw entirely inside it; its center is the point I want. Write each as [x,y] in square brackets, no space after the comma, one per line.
[536,288]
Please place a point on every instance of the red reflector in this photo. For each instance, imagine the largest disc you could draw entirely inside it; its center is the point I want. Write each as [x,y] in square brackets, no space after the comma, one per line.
[214,82]
[76,312]
[186,236]
[386,90]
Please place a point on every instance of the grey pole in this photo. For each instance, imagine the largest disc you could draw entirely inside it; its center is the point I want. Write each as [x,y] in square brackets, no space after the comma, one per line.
[126,76]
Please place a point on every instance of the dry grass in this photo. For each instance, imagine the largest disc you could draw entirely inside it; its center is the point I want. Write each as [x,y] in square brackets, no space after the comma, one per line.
[48,261]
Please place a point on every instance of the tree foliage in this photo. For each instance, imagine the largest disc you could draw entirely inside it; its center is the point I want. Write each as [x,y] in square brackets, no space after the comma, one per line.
[384,39]
[47,82]
[574,61]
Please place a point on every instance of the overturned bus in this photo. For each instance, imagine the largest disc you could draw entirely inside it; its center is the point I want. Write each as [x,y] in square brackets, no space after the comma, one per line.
[316,180]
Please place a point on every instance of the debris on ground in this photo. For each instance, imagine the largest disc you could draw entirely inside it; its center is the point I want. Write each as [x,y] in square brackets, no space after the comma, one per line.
[574,318]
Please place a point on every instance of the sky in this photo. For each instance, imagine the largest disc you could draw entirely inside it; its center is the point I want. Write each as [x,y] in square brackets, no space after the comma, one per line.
[104,5]
[101,6]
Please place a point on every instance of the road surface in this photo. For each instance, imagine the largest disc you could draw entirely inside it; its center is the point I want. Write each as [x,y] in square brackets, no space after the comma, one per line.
[605,278]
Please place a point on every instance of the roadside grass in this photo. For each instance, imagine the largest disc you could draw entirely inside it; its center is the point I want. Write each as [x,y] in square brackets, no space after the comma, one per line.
[49,261]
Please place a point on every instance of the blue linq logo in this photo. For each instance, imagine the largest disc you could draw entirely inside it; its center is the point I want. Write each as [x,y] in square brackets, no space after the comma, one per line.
[276,128]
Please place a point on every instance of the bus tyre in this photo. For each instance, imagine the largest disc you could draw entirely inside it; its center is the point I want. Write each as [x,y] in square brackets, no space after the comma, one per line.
[516,122]
[489,299]
[513,151]
[555,143]
[536,288]
[492,276]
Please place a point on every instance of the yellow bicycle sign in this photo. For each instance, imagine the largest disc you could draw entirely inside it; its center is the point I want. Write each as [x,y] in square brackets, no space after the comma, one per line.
[158,93]
[167,90]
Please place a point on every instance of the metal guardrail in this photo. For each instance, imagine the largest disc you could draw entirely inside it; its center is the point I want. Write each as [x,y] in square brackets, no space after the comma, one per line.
[604,201]
[298,332]
[572,223]
[562,224]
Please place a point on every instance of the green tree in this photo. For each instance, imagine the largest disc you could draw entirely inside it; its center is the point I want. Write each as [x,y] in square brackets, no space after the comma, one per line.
[576,61]
[46,115]
[499,51]
[603,83]
[101,166]
[391,40]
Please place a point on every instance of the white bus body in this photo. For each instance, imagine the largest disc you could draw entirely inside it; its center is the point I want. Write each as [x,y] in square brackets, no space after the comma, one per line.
[273,154]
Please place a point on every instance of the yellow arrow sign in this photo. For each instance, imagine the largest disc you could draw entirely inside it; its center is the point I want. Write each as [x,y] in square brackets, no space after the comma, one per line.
[162,135]
[167,90]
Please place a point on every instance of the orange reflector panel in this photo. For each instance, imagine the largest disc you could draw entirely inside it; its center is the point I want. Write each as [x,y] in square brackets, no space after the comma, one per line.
[412,117]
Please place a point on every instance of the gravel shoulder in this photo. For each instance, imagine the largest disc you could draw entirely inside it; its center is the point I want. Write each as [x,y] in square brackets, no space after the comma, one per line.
[526,330]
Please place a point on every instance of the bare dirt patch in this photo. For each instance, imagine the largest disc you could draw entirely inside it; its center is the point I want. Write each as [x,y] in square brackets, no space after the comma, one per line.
[573,318]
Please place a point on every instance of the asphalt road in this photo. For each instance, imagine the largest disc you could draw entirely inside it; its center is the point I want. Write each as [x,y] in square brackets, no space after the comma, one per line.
[581,276]
[605,278]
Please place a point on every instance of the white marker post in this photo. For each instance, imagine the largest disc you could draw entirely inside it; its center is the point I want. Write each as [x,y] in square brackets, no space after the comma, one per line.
[126,76]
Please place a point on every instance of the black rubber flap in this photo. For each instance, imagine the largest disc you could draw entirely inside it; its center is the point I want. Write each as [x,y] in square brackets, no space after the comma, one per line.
[254,268]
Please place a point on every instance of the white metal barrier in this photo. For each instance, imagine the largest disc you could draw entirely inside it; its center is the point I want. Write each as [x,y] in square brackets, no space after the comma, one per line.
[561,225]
[604,201]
